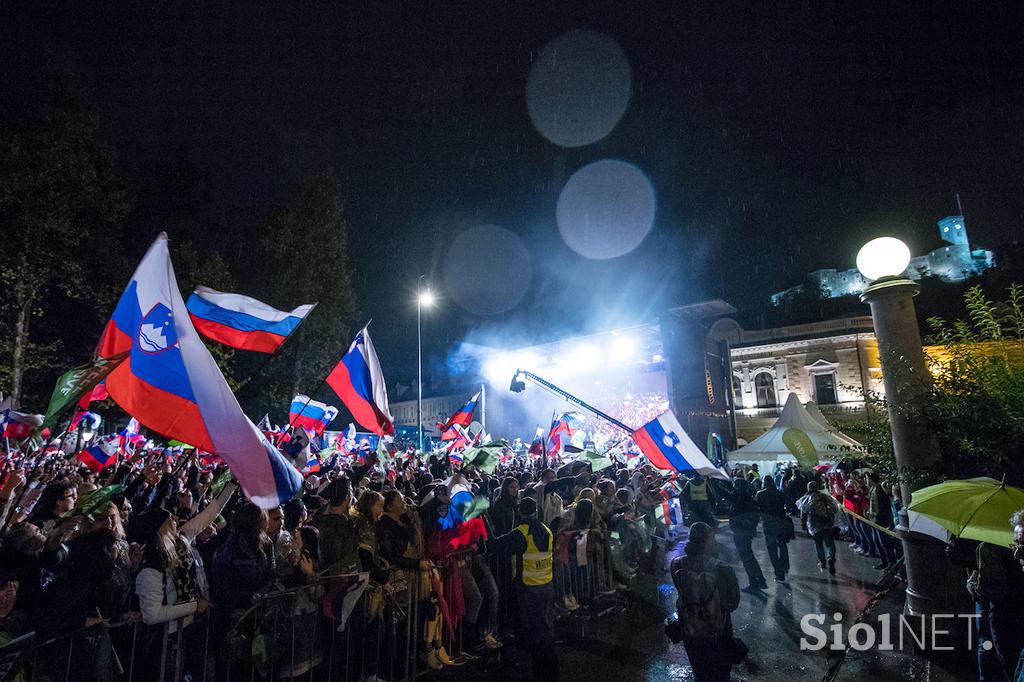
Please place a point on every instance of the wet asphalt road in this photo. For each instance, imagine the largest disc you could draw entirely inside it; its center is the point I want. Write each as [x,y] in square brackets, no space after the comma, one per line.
[629,645]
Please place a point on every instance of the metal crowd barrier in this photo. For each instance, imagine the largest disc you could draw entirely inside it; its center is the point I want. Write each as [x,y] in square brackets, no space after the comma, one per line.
[286,634]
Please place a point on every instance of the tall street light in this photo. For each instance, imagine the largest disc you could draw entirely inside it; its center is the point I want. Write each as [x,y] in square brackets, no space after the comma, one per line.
[423,298]
[884,261]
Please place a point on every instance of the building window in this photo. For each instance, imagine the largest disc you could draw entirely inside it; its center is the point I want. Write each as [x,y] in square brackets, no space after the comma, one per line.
[737,391]
[825,389]
[764,385]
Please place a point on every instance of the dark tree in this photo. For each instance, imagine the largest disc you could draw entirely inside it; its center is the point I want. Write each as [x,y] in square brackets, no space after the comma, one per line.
[62,208]
[302,257]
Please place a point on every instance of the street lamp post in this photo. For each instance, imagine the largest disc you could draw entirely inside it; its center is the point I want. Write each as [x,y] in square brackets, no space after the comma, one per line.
[907,382]
[423,298]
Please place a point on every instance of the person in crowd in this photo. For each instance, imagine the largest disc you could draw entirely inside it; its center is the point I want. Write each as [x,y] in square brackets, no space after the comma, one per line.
[338,542]
[14,622]
[698,503]
[778,527]
[708,593]
[172,585]
[743,522]
[531,544]
[997,584]
[880,513]
[504,510]
[821,513]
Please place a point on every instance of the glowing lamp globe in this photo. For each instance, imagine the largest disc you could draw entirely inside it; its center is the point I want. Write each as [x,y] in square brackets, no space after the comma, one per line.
[426,298]
[883,257]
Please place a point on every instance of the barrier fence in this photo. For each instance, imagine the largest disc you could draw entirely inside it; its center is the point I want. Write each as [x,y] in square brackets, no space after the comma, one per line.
[396,631]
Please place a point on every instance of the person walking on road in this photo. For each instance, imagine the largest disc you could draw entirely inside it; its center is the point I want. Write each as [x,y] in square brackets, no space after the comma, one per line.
[743,522]
[708,594]
[821,512]
[778,527]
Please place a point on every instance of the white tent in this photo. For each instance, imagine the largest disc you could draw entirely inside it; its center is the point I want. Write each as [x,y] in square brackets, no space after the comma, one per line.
[813,409]
[770,447]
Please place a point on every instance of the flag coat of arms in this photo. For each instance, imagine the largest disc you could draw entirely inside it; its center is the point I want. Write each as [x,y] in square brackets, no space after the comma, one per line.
[172,385]
[666,445]
[359,382]
[243,322]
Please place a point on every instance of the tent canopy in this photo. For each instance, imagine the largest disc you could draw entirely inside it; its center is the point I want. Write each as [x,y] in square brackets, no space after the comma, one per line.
[828,443]
[813,410]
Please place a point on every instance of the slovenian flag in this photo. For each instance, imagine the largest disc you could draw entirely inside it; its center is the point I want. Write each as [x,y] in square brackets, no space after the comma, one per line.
[172,385]
[359,382]
[669,512]
[462,417]
[98,457]
[311,415]
[666,445]
[242,322]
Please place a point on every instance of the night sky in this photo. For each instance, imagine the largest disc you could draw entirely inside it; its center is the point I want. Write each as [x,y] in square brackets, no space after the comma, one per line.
[777,139]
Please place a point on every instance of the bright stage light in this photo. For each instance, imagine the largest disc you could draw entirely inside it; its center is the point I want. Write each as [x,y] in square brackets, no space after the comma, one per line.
[624,348]
[883,257]
[584,359]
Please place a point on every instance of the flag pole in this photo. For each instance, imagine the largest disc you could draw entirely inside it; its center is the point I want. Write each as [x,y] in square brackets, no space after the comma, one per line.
[277,352]
[483,406]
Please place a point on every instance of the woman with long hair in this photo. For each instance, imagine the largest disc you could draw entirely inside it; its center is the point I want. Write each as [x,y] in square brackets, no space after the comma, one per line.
[172,586]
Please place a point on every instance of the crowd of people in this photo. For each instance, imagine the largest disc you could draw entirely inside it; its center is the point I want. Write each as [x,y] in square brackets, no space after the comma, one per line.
[158,565]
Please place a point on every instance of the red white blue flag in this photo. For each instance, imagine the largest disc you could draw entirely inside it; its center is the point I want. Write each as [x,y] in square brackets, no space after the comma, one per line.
[243,322]
[359,382]
[99,456]
[462,417]
[561,432]
[172,385]
[666,445]
[311,415]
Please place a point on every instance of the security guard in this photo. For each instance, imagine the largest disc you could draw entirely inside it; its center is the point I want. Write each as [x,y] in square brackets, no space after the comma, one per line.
[695,494]
[531,544]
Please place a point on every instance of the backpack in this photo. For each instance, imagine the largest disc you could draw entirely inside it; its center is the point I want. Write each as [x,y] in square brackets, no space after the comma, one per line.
[699,606]
[822,511]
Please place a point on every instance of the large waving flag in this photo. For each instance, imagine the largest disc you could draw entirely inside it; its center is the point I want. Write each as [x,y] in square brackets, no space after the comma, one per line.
[172,385]
[664,442]
[242,322]
[461,417]
[311,415]
[359,382]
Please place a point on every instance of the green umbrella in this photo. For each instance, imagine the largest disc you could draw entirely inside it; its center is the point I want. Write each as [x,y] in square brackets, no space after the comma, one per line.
[975,509]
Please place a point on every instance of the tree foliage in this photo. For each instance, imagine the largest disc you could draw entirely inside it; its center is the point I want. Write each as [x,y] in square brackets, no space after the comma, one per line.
[302,257]
[62,207]
[975,404]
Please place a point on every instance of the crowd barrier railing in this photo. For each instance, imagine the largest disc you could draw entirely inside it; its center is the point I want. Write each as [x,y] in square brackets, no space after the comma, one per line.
[301,634]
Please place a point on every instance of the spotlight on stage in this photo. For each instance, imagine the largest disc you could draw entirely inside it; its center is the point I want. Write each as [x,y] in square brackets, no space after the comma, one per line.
[517,385]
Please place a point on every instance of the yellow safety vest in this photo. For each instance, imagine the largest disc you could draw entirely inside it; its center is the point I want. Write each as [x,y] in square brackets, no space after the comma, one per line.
[536,563]
[698,492]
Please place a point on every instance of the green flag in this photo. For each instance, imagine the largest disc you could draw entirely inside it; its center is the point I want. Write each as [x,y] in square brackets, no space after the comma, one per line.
[596,461]
[801,446]
[72,385]
[94,502]
[476,507]
[484,458]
